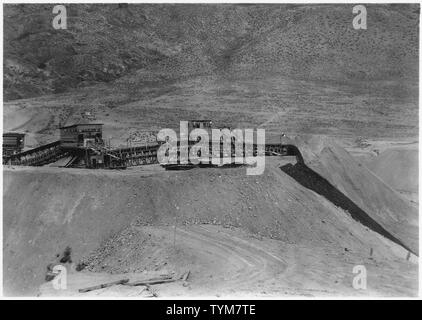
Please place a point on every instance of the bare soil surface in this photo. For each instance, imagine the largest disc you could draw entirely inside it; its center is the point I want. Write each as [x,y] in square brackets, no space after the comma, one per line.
[398,167]
[367,192]
[252,235]
[228,262]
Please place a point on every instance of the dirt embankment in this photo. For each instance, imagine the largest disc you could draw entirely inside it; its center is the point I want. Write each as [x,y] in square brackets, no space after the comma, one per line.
[231,262]
[398,167]
[359,185]
[48,209]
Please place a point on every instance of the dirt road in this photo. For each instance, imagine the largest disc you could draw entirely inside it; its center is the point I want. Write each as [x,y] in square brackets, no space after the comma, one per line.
[227,262]
[229,258]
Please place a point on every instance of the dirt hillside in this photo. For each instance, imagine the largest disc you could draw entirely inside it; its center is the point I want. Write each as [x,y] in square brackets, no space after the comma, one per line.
[398,168]
[153,42]
[366,191]
[231,262]
[48,209]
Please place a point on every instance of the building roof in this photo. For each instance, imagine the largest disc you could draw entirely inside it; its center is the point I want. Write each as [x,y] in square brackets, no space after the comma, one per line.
[13,134]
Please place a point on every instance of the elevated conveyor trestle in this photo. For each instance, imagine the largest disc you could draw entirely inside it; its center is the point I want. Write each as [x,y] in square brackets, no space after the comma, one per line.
[119,158]
[136,156]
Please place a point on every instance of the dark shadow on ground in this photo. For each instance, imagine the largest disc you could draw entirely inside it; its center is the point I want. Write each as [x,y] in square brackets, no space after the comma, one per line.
[315,182]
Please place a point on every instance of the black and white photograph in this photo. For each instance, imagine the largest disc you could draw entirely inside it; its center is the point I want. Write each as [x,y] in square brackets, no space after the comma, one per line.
[199,150]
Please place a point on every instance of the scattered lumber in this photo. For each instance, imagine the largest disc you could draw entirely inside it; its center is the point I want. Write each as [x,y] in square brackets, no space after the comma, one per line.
[146,282]
[162,279]
[104,285]
[150,282]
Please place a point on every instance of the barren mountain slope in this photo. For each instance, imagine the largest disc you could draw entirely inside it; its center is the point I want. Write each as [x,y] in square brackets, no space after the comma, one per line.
[106,42]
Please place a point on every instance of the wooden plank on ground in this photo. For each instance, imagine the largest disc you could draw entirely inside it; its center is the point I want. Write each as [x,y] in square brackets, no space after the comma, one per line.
[104,285]
[150,282]
[186,275]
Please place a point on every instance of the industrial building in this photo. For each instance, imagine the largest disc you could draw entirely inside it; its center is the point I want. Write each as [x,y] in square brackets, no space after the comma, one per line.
[13,143]
[81,135]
